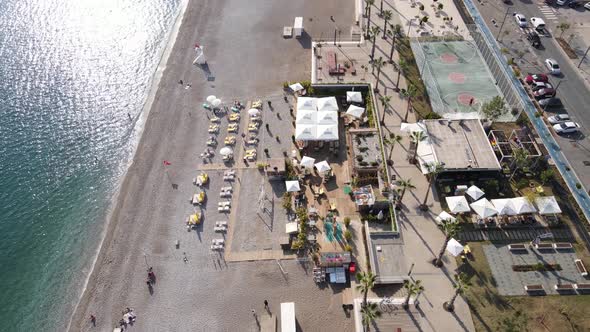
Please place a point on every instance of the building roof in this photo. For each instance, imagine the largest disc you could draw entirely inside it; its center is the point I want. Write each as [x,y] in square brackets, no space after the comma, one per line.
[460,145]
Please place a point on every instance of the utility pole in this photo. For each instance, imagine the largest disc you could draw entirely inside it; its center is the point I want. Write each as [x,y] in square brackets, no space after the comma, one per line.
[584,57]
[502,25]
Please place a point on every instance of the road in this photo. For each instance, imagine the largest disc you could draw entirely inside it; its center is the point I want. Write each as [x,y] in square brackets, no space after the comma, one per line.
[573,91]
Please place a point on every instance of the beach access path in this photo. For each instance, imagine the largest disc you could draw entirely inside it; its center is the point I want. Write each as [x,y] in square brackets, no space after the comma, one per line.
[248,59]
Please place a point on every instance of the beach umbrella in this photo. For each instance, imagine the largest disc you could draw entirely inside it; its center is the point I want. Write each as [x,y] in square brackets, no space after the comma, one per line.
[445,217]
[409,128]
[522,205]
[484,208]
[211,98]
[296,87]
[457,204]
[547,205]
[355,111]
[253,112]
[292,186]
[216,102]
[307,162]
[354,97]
[504,206]
[322,166]
[474,192]
[226,151]
[454,247]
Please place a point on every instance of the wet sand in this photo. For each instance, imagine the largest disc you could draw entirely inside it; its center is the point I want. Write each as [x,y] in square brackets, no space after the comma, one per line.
[248,59]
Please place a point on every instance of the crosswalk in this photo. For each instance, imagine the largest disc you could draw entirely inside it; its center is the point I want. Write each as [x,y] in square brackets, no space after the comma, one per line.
[548,12]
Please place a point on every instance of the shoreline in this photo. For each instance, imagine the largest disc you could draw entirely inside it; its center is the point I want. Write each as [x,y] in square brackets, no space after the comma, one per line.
[115,203]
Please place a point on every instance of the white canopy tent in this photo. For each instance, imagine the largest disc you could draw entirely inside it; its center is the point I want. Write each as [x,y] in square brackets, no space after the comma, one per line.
[444,217]
[504,206]
[306,117]
[474,192]
[522,205]
[484,208]
[307,162]
[292,186]
[354,97]
[296,87]
[306,103]
[305,132]
[454,247]
[457,204]
[409,128]
[355,111]
[547,205]
[326,104]
[322,166]
[226,151]
[327,132]
[327,118]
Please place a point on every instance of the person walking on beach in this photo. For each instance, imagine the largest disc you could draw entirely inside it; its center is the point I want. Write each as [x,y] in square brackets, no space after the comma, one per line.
[266,304]
[93,319]
[254,313]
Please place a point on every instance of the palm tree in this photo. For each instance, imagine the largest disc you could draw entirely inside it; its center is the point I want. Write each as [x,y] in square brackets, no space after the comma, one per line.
[404,185]
[369,4]
[396,30]
[384,104]
[411,93]
[392,141]
[386,17]
[379,63]
[433,170]
[413,288]
[416,137]
[369,313]
[367,282]
[402,67]
[373,33]
[450,229]
[462,284]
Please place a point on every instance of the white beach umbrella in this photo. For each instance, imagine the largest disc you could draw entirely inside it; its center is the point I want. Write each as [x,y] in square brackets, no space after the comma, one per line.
[504,206]
[474,192]
[307,162]
[305,132]
[547,205]
[226,151]
[355,111]
[444,217]
[457,204]
[292,186]
[253,112]
[484,208]
[522,205]
[409,128]
[327,104]
[454,247]
[322,166]
[354,97]
[296,87]
[216,102]
[211,98]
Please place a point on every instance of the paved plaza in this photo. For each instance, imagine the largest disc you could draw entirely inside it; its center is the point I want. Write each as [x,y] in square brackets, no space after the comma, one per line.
[509,282]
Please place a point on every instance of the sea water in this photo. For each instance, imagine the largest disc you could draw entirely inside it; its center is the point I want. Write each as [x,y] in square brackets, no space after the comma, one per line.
[74,76]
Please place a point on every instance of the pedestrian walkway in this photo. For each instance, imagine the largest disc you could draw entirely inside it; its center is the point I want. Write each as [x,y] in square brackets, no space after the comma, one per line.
[548,12]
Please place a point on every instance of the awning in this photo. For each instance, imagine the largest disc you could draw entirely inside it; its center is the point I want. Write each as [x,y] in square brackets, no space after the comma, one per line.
[354,97]
[457,204]
[454,247]
[355,111]
[484,208]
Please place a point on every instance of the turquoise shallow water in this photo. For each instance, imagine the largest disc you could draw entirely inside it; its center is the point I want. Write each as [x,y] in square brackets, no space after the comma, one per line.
[72,73]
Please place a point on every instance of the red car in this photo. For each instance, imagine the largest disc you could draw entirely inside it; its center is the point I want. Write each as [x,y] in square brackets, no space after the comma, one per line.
[536,78]
[544,93]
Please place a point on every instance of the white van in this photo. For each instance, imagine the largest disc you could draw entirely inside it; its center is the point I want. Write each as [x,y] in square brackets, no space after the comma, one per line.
[538,23]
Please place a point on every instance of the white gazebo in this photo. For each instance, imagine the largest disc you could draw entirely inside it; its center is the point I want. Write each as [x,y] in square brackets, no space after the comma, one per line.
[504,206]
[474,192]
[292,186]
[444,217]
[454,247]
[355,111]
[322,166]
[306,103]
[305,132]
[457,204]
[547,205]
[354,97]
[307,162]
[327,104]
[484,208]
[523,205]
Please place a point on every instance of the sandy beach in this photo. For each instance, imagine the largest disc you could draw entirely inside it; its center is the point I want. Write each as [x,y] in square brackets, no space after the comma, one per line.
[248,59]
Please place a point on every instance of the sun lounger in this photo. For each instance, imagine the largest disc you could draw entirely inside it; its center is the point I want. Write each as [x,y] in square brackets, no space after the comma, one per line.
[234,117]
[213,129]
[215,120]
[211,142]
[581,268]
[562,246]
[536,288]
[229,140]
[221,224]
[252,142]
[565,287]
[232,128]
[217,247]
[582,287]
[516,247]
[219,229]
[544,246]
[218,241]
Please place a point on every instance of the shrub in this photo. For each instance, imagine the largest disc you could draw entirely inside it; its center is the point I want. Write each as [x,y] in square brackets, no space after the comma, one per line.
[522,183]
[359,158]
[440,6]
[432,116]
[516,72]
[348,235]
[578,185]
[287,201]
[346,221]
[546,175]
[348,247]
[261,165]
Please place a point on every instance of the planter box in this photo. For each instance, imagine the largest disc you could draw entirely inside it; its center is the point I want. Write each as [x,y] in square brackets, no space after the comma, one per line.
[535,267]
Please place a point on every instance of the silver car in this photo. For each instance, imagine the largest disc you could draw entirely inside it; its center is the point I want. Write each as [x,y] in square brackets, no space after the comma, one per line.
[566,127]
[558,118]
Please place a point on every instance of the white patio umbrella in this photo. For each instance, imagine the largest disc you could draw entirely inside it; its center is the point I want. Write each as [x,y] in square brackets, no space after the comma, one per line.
[457,204]
[305,132]
[354,97]
[306,103]
[454,247]
[409,128]
[504,206]
[547,205]
[522,205]
[327,132]
[296,87]
[253,112]
[322,166]
[211,98]
[474,192]
[306,117]
[444,217]
[307,162]
[216,102]
[292,186]
[327,118]
[226,151]
[355,111]
[327,104]
[484,208]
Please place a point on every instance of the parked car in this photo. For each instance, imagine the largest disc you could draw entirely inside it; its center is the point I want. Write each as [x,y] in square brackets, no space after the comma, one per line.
[561,2]
[555,119]
[566,127]
[520,20]
[553,66]
[551,102]
[544,93]
[533,38]
[541,85]
[536,78]
[575,4]
[587,5]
